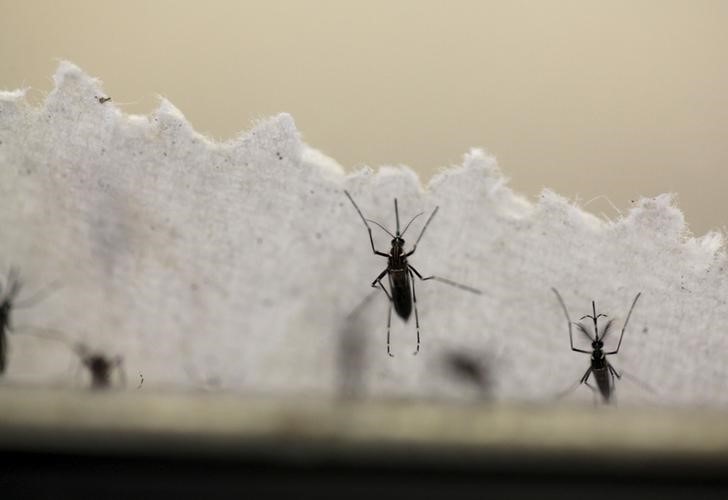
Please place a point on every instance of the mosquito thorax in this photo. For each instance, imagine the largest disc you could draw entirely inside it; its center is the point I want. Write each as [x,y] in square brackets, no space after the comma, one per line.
[97,363]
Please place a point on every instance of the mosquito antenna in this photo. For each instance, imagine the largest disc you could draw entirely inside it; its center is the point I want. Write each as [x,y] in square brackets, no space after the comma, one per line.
[410,222]
[396,215]
[624,327]
[583,330]
[381,226]
[39,296]
[424,227]
[594,317]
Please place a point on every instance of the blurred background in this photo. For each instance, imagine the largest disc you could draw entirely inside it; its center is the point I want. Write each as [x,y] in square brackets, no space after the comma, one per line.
[618,98]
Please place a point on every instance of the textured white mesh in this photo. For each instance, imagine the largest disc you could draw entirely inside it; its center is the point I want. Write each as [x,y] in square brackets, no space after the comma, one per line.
[242,265]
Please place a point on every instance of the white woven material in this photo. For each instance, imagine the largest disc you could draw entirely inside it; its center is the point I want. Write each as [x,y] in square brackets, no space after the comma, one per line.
[242,265]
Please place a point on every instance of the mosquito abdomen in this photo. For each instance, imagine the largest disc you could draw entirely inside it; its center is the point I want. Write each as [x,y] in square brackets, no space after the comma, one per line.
[604,382]
[399,281]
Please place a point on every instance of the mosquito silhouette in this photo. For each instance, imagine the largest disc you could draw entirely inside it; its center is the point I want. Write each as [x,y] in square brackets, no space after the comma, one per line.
[100,366]
[401,274]
[603,371]
[8,303]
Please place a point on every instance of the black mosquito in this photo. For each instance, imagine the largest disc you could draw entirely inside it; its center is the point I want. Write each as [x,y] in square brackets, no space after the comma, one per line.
[603,371]
[100,366]
[8,303]
[399,271]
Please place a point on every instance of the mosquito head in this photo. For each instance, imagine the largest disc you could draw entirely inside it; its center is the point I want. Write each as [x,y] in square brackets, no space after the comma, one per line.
[597,345]
[398,245]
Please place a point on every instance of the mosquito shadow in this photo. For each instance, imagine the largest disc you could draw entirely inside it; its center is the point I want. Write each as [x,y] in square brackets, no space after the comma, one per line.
[470,369]
[351,351]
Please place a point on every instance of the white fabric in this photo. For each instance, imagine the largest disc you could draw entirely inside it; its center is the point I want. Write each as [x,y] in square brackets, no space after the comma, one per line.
[239,265]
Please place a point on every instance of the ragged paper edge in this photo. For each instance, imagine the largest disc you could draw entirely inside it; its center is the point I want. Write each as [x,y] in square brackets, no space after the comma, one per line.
[659,211]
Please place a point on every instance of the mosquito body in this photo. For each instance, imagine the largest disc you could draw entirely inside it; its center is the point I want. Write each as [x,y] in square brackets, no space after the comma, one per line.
[400,273]
[603,371]
[8,303]
[100,367]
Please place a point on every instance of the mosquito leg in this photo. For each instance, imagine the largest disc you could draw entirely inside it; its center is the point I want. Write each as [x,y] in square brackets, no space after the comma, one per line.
[414,247]
[594,391]
[389,323]
[383,289]
[446,281]
[378,281]
[624,326]
[614,372]
[369,229]
[585,377]
[417,316]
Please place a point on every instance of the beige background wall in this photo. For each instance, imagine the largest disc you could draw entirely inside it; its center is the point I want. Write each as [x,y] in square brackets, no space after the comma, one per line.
[616,98]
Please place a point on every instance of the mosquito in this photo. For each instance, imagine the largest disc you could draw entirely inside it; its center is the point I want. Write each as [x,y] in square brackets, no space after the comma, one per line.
[100,366]
[603,371]
[8,303]
[400,273]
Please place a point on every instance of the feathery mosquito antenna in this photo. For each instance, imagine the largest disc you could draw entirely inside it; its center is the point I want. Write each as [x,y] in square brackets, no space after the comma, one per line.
[402,294]
[599,366]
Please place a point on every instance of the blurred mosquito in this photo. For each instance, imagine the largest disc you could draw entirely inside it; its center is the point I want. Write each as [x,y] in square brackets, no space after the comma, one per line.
[603,371]
[469,368]
[8,294]
[100,366]
[399,271]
